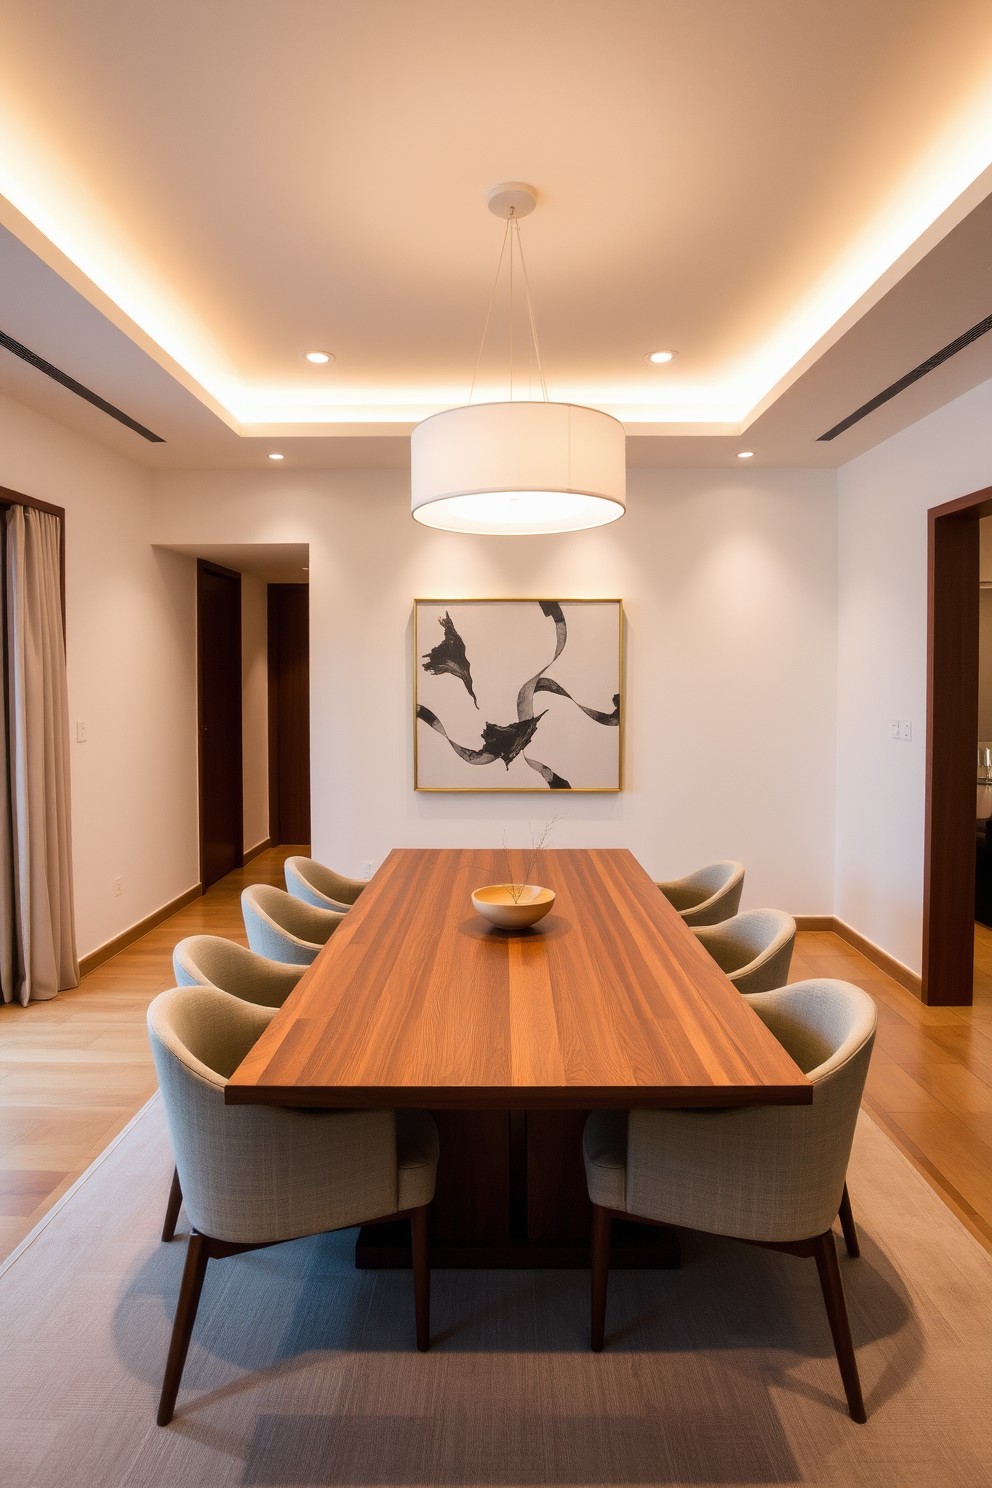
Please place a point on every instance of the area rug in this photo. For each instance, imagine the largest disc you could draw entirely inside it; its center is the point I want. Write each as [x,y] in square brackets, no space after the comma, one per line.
[303,1371]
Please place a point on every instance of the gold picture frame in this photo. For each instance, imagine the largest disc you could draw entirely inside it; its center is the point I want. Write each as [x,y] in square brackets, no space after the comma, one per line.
[580,728]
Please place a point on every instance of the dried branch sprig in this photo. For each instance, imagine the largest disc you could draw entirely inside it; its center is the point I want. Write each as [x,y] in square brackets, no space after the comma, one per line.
[537,846]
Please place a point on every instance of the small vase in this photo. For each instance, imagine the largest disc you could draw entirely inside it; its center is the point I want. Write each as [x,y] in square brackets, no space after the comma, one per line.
[513,906]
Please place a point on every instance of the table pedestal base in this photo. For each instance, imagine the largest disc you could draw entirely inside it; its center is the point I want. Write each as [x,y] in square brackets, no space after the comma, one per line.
[634,1247]
[511,1192]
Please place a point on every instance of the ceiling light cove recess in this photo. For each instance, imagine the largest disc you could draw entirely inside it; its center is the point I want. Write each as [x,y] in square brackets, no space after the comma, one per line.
[518,468]
[318,358]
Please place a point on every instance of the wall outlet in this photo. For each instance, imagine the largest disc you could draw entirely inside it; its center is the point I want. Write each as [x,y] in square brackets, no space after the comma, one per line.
[902,728]
[80,733]
[367,869]
[118,887]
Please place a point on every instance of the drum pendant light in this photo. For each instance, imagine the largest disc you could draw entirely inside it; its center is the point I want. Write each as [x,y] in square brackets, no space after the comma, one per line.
[522,466]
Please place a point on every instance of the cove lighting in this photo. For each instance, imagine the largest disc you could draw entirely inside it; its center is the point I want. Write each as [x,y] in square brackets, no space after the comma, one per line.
[659,356]
[275,457]
[318,357]
[745,454]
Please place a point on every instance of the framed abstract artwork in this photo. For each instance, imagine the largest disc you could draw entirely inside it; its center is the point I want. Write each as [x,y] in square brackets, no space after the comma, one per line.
[518,694]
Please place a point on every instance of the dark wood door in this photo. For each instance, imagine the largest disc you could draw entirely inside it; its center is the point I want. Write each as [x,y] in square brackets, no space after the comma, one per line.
[289,713]
[218,651]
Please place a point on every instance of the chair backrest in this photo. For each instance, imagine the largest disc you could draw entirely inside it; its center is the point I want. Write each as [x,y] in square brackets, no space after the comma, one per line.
[310,881]
[709,895]
[768,1172]
[259,1173]
[754,948]
[282,928]
[211,961]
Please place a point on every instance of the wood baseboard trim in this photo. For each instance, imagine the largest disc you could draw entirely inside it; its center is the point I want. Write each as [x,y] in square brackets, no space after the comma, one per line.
[260,847]
[871,952]
[893,968]
[120,942]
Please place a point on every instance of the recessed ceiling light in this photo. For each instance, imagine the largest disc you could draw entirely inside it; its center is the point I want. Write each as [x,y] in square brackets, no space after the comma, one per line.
[275,457]
[660,356]
[318,357]
[745,454]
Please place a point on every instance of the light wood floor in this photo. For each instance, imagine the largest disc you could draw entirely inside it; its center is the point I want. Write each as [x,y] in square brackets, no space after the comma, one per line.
[74,1071]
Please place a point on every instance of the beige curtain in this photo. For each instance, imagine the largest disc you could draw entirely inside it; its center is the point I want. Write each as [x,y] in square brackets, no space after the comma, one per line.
[36,879]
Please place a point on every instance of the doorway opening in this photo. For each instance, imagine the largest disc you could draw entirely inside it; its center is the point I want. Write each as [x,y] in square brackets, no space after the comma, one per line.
[289,713]
[955,829]
[253,694]
[219,720]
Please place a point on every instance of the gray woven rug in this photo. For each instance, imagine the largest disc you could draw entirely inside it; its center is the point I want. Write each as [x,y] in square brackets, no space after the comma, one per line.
[302,1371]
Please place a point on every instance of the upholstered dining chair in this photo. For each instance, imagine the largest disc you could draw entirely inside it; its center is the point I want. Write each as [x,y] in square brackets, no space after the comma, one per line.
[771,1175]
[211,961]
[754,948]
[310,881]
[709,895]
[254,1176]
[282,928]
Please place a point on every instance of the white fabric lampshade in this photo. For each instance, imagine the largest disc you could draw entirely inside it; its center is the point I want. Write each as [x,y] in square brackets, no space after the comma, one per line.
[518,468]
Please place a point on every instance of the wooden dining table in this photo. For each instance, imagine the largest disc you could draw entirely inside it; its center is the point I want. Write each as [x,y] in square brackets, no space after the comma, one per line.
[510,1038]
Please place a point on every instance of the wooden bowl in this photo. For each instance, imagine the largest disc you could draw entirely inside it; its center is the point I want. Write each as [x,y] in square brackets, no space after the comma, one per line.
[496,904]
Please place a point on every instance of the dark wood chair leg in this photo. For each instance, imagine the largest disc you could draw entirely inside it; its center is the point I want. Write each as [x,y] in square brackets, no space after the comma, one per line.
[173,1207]
[825,1251]
[194,1271]
[848,1226]
[600,1273]
[420,1244]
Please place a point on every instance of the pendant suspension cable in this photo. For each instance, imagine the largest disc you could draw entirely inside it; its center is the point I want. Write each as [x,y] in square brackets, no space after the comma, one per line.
[510,223]
[489,312]
[530,308]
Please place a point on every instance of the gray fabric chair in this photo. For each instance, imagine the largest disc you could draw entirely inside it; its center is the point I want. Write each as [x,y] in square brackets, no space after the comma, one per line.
[210,961]
[754,948]
[709,895]
[310,881]
[282,928]
[253,1176]
[771,1175]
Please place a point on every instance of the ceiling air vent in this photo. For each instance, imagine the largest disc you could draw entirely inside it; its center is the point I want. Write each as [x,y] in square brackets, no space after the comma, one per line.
[945,353]
[77,387]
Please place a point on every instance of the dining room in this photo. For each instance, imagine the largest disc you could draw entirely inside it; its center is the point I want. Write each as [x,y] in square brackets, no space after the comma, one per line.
[474,1007]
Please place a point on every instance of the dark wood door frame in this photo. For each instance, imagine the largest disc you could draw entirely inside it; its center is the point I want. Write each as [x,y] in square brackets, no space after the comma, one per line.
[952,737]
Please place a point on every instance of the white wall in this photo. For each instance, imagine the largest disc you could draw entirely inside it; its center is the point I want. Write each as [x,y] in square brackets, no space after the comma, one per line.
[729,586]
[255,709]
[131,667]
[883,499]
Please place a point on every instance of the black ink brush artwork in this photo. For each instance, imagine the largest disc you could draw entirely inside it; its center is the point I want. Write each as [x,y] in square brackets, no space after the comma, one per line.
[505,741]
[449,656]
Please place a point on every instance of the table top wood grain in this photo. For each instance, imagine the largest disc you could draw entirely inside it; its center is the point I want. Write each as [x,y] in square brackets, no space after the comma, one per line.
[610,1001]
